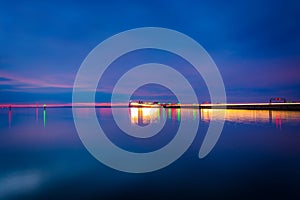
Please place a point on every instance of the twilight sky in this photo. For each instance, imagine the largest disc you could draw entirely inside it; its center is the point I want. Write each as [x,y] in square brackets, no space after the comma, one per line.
[255,44]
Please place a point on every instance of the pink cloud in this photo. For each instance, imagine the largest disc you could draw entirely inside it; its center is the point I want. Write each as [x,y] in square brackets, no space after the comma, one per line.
[19,82]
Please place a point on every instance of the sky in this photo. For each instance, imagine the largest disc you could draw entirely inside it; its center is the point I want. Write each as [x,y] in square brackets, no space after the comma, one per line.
[255,44]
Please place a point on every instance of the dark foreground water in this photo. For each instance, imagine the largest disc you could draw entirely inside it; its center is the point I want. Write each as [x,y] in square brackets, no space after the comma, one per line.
[42,157]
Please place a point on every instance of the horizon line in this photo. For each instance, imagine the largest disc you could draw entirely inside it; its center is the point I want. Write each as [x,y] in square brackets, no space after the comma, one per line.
[109,104]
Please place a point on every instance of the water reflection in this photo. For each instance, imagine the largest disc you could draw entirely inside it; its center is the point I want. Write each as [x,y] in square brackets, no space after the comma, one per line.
[144,116]
[178,114]
[16,112]
[255,116]
[278,121]
[30,150]
[36,114]
[9,118]
[44,116]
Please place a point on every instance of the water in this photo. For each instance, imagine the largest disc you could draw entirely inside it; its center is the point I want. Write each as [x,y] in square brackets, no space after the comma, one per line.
[257,155]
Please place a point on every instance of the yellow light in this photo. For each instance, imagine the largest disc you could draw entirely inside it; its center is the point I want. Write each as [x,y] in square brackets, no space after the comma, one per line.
[143,116]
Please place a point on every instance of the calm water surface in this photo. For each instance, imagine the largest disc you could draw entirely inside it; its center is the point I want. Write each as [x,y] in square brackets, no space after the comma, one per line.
[257,155]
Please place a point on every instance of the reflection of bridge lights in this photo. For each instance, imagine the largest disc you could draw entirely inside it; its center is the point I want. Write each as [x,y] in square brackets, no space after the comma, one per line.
[36,114]
[194,114]
[44,116]
[278,121]
[169,113]
[9,118]
[178,114]
[254,116]
[144,116]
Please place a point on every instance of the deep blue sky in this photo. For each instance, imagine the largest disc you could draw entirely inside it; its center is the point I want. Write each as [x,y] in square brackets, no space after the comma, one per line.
[255,44]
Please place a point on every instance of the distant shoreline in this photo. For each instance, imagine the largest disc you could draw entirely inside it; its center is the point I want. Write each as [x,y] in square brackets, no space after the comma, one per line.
[244,106]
